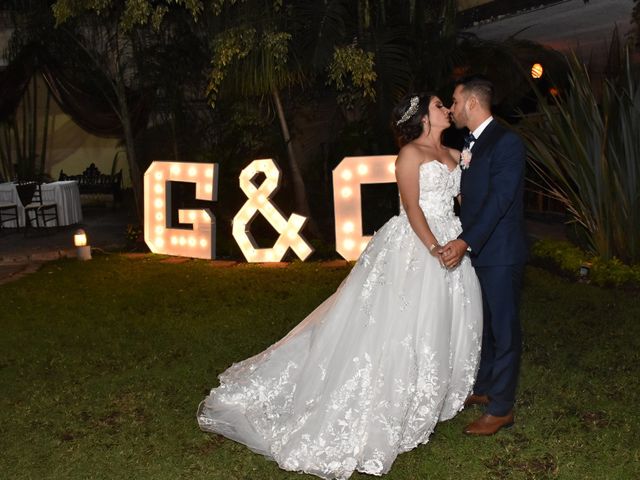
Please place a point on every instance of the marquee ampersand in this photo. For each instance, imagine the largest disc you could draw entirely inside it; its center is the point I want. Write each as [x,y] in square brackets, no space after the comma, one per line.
[258,201]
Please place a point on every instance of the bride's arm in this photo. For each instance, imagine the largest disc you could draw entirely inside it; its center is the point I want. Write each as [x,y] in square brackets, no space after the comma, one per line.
[408,178]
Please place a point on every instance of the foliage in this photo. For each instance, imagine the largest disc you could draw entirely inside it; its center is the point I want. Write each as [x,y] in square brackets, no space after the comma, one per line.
[259,60]
[134,13]
[586,151]
[103,364]
[570,259]
[351,62]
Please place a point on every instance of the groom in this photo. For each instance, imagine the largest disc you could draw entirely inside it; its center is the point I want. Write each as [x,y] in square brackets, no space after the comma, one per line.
[491,213]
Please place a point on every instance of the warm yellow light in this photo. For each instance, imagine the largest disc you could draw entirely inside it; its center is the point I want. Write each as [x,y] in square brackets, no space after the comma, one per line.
[203,243]
[348,227]
[347,201]
[537,70]
[192,241]
[258,202]
[80,238]
[204,176]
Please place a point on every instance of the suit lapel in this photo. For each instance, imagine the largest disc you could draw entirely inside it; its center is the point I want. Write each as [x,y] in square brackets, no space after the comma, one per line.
[486,139]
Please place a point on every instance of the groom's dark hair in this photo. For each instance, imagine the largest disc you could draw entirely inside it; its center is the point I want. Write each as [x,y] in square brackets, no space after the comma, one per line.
[480,86]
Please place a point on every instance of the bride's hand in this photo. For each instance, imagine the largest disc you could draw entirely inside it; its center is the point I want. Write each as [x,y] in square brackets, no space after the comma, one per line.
[436,251]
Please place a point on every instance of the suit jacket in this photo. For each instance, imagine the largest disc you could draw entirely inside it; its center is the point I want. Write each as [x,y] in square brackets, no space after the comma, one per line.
[492,189]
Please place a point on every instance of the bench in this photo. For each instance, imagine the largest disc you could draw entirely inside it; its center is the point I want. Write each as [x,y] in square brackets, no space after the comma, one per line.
[93,182]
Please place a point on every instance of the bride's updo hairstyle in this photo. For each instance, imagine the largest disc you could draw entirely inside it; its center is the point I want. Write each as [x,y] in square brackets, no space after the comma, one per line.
[406,116]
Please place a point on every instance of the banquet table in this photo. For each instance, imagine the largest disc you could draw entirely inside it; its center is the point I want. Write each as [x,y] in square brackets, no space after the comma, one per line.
[65,194]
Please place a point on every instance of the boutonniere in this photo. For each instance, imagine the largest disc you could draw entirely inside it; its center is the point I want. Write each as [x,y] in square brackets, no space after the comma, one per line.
[465,158]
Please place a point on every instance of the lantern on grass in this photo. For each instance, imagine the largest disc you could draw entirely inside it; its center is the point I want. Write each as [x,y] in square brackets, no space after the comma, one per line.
[83,251]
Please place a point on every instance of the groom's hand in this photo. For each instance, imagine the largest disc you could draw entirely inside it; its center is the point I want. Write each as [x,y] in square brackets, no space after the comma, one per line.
[453,252]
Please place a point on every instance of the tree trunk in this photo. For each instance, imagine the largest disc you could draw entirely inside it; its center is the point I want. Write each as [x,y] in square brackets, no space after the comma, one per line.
[299,189]
[134,170]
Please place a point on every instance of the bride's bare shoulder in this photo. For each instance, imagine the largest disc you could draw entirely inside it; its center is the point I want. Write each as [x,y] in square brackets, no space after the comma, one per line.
[409,153]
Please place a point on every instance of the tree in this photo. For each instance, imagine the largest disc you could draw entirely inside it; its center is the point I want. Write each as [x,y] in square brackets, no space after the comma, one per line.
[114,37]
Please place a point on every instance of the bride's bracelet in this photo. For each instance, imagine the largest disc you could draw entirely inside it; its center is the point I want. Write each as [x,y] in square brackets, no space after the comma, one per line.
[433,245]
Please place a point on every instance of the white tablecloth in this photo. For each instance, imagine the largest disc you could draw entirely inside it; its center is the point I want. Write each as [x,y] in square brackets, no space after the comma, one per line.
[65,194]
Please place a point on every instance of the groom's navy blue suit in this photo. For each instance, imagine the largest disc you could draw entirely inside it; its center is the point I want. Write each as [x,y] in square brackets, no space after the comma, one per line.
[492,220]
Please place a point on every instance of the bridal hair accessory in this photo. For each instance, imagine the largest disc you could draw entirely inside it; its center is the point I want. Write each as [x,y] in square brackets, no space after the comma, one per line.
[465,158]
[413,108]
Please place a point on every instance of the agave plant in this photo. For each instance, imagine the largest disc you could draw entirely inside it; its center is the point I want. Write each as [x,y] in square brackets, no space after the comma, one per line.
[586,149]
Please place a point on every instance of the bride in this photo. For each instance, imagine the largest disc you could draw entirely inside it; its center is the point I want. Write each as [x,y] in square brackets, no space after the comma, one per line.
[369,373]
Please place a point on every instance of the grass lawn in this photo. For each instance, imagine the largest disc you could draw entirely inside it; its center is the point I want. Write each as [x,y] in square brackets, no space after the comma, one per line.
[103,363]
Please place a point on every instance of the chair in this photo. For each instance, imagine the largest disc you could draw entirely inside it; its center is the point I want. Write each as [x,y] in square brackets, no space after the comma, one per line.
[8,213]
[45,211]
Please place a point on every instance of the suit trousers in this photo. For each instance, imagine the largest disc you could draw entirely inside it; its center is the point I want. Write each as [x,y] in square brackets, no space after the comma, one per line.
[501,337]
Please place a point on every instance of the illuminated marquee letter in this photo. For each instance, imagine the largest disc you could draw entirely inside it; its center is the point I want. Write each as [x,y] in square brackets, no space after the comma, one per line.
[258,201]
[198,242]
[347,178]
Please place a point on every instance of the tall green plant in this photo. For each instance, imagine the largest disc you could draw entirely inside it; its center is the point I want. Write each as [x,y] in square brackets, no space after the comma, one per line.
[587,152]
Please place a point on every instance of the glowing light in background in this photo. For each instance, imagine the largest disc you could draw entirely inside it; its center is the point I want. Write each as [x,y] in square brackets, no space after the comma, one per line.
[347,203]
[258,201]
[199,242]
[537,70]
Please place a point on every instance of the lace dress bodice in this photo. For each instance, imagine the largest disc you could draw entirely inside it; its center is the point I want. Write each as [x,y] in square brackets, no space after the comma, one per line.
[438,187]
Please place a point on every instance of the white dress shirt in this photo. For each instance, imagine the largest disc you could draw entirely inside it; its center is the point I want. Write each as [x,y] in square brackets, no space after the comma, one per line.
[478,131]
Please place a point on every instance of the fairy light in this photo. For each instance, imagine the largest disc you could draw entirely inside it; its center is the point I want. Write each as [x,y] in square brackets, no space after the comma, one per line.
[199,242]
[347,199]
[346,175]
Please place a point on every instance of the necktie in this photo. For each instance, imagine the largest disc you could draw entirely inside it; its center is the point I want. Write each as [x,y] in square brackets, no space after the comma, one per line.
[468,139]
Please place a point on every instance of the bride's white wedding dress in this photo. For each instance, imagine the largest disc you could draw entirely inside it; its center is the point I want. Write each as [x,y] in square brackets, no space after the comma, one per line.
[369,373]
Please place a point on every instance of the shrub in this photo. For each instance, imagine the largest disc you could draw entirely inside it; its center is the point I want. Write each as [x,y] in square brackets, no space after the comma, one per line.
[571,259]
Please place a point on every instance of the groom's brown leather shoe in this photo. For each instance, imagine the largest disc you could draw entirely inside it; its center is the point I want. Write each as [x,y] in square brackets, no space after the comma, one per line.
[474,399]
[489,424]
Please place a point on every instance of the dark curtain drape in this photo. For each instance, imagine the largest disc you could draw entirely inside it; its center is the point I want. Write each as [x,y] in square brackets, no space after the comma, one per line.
[13,81]
[90,109]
